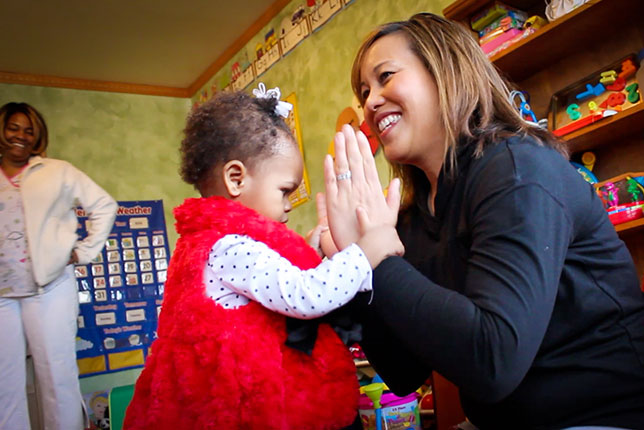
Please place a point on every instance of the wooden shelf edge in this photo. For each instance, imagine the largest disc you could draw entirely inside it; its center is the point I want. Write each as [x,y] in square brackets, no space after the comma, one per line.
[543,31]
[560,38]
[462,9]
[623,123]
[619,178]
[630,226]
[551,42]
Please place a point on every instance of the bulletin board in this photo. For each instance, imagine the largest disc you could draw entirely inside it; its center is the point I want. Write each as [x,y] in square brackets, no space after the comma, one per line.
[121,290]
[303,191]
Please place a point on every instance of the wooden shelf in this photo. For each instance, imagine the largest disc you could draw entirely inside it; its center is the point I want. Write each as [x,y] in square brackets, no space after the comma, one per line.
[462,10]
[576,30]
[630,227]
[607,130]
[579,29]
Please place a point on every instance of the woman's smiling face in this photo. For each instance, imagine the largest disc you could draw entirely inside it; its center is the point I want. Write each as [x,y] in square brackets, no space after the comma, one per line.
[400,100]
[19,135]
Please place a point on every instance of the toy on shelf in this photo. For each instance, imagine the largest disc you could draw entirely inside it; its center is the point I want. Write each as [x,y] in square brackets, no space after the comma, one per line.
[490,14]
[511,21]
[535,22]
[555,9]
[597,96]
[623,197]
[499,26]
[585,173]
[521,99]
[588,159]
[624,213]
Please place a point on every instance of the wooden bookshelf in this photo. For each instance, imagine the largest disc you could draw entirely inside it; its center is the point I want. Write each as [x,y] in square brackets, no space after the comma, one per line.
[584,27]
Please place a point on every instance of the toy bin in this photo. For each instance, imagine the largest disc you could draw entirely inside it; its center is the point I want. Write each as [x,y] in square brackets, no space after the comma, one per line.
[605,92]
[624,213]
[398,413]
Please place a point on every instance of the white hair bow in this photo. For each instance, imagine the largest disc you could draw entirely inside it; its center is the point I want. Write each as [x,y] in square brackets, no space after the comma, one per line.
[282,108]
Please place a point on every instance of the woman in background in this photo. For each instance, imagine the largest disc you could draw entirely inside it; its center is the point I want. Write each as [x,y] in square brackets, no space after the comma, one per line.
[38,249]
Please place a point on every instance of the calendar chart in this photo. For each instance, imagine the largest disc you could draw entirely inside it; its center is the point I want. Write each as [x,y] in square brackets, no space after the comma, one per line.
[121,290]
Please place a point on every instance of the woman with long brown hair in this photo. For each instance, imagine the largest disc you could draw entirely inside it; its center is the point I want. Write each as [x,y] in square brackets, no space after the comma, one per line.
[514,284]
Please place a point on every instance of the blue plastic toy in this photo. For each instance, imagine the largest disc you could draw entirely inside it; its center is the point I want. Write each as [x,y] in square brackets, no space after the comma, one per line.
[524,106]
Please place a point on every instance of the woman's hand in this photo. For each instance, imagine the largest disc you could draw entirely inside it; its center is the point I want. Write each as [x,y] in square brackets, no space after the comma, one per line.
[73,258]
[352,182]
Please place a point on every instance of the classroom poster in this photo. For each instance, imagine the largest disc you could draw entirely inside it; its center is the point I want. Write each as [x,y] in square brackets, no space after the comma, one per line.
[303,191]
[121,290]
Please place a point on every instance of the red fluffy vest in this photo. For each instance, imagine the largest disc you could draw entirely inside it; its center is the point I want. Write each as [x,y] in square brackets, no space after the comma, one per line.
[216,368]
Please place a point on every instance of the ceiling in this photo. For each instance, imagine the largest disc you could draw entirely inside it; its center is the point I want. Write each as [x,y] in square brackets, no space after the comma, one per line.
[162,43]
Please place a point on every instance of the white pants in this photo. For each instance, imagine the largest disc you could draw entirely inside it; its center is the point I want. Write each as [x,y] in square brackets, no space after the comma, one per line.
[47,322]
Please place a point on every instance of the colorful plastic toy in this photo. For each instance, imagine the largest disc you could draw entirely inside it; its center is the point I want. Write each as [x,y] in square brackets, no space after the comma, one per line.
[624,213]
[635,189]
[633,94]
[535,21]
[628,68]
[488,15]
[585,173]
[524,106]
[608,77]
[374,392]
[591,90]
[603,93]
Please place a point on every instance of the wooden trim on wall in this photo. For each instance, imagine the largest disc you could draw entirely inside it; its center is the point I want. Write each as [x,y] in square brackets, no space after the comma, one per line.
[237,45]
[91,85]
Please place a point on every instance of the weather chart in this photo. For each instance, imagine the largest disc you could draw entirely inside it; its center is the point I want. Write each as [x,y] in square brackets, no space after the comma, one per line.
[121,290]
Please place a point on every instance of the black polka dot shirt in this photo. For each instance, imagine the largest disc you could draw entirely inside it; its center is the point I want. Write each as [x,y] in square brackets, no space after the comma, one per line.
[241,269]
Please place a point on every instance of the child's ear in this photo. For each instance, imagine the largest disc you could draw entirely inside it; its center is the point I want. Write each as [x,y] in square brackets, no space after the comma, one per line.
[234,173]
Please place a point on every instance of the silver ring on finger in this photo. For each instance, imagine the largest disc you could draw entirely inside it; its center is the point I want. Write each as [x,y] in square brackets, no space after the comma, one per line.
[344,175]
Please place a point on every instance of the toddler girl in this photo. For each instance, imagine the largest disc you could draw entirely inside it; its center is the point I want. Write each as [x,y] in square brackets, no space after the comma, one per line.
[237,273]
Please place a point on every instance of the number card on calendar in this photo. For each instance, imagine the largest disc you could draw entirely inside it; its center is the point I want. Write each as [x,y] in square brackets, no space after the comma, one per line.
[121,290]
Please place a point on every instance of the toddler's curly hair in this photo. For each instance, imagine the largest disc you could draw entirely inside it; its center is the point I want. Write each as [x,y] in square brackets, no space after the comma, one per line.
[229,126]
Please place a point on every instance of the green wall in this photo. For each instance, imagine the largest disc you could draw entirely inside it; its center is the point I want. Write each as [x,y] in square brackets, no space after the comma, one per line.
[129,143]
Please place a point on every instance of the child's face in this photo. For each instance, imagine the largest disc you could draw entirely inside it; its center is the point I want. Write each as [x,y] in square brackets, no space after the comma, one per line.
[270,182]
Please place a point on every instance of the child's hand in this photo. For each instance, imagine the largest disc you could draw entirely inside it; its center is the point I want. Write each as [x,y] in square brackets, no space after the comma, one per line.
[313,238]
[320,237]
[378,241]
